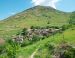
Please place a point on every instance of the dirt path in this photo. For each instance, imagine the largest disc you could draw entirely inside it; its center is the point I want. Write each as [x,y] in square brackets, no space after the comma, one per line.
[32,55]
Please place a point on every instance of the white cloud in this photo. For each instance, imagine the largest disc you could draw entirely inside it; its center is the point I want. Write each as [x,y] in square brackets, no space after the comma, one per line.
[51,3]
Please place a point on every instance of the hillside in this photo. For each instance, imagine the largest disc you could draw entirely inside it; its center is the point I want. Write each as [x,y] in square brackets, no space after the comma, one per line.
[53,39]
[42,51]
[35,16]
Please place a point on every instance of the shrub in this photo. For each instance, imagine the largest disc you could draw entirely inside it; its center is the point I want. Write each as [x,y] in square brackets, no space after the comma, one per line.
[2,49]
[50,47]
[55,27]
[48,22]
[64,50]
[12,49]
[64,27]
[35,27]
[24,32]
[2,46]
[35,38]
[48,27]
[25,43]
[32,27]
[69,53]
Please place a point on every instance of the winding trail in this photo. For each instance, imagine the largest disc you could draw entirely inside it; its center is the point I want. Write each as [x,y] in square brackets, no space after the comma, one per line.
[32,55]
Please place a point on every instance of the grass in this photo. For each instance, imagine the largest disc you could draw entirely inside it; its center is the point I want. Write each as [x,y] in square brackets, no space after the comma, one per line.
[36,16]
[57,39]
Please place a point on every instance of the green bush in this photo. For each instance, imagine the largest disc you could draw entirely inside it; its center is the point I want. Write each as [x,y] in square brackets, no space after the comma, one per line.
[36,38]
[12,49]
[64,27]
[25,43]
[35,27]
[70,53]
[50,47]
[32,27]
[2,49]
[24,32]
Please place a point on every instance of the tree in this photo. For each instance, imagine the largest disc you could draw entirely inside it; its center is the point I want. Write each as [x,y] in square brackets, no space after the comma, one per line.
[24,32]
[32,27]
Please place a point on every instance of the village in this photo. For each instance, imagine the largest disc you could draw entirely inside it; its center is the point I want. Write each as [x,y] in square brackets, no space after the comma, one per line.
[40,33]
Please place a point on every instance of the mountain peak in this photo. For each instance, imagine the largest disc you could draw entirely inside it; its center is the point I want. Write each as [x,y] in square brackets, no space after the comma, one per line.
[41,8]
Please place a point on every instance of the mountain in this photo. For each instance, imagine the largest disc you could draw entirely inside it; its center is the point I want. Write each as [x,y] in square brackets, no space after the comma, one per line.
[35,16]
[60,42]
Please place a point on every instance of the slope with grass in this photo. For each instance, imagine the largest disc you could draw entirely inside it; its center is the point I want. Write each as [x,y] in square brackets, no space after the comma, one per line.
[42,52]
[35,16]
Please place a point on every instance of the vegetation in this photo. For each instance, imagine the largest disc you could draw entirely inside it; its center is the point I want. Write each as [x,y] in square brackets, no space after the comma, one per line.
[35,16]
[50,31]
[12,49]
[72,18]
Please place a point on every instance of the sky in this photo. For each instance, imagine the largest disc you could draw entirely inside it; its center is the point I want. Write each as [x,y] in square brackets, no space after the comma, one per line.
[11,7]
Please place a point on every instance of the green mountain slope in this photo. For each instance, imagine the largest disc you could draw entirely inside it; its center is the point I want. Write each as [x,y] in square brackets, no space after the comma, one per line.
[36,16]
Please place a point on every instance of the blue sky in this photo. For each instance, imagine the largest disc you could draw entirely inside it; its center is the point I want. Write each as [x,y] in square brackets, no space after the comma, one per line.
[11,7]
